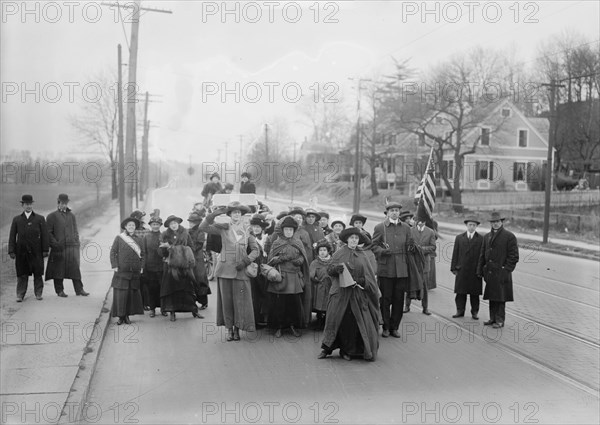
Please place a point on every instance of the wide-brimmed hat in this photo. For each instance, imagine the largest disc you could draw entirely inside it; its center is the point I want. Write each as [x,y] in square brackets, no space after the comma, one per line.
[155,219]
[288,222]
[337,221]
[404,214]
[314,212]
[473,219]
[237,205]
[281,215]
[130,219]
[259,220]
[171,218]
[215,175]
[194,217]
[324,243]
[346,233]
[297,210]
[358,217]
[63,197]
[27,199]
[246,174]
[496,216]
[137,214]
[324,214]
[392,204]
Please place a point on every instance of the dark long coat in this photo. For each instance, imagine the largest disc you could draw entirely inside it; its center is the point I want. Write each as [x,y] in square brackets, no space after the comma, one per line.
[128,264]
[498,258]
[395,236]
[28,240]
[64,258]
[465,257]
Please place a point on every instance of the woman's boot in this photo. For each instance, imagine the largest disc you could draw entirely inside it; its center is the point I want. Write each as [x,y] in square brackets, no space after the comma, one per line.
[236,334]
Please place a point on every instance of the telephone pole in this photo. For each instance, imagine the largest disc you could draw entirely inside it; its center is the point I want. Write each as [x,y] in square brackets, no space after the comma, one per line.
[357,158]
[241,151]
[121,163]
[266,155]
[130,137]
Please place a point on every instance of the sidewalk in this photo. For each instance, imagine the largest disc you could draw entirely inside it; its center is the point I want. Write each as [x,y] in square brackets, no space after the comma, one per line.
[459,228]
[48,348]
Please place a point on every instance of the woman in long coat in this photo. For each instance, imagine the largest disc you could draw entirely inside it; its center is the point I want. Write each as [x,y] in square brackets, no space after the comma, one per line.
[153,266]
[126,260]
[285,297]
[353,314]
[234,295]
[321,281]
[177,292]
[201,286]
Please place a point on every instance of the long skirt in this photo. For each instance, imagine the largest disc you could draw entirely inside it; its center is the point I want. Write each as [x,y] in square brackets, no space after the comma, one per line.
[201,287]
[177,291]
[126,302]
[234,304]
[285,310]
[348,338]
[259,298]
[320,292]
[150,283]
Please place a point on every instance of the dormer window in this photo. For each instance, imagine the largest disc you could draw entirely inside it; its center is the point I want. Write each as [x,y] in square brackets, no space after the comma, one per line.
[506,112]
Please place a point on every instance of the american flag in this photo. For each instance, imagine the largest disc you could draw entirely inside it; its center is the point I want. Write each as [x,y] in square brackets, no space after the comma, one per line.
[425,196]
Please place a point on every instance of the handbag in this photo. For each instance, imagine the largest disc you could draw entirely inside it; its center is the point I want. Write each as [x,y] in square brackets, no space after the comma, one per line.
[270,273]
[251,270]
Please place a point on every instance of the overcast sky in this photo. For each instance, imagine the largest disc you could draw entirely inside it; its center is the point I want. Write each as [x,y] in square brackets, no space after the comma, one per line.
[189,56]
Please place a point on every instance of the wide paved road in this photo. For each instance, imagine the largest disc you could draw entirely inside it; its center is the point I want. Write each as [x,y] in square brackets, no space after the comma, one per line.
[541,368]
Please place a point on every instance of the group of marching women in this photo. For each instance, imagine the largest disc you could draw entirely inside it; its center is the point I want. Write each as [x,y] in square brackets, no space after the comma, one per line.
[273,272]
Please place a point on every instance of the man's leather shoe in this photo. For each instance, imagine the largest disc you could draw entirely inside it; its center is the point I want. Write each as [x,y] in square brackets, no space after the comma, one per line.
[406,310]
[395,334]
[19,299]
[498,325]
[458,315]
[83,293]
[322,354]
[62,294]
[39,297]
[385,333]
[488,323]
[197,315]
[475,316]
[427,312]
[345,356]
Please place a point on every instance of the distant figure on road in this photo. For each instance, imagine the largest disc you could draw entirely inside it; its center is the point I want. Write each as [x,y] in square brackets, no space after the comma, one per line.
[352,319]
[498,258]
[234,296]
[247,186]
[28,246]
[425,238]
[390,239]
[126,261]
[63,262]
[465,257]
[212,187]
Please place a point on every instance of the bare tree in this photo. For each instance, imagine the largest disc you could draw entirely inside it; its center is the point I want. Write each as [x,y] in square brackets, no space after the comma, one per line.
[97,124]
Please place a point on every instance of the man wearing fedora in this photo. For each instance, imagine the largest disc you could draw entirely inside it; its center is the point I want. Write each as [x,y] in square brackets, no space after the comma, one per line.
[390,239]
[28,246]
[498,258]
[465,256]
[63,262]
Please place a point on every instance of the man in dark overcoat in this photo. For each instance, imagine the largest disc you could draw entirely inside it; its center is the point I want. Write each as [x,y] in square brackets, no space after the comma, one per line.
[498,258]
[390,239]
[28,246]
[465,257]
[425,238]
[63,262]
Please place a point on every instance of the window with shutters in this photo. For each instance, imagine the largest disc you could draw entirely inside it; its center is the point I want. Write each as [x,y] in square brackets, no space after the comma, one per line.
[447,170]
[485,136]
[519,172]
[484,170]
[523,136]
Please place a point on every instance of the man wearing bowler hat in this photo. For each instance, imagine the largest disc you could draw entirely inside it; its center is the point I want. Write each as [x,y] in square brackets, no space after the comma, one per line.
[498,258]
[465,256]
[28,246]
[390,238]
[63,262]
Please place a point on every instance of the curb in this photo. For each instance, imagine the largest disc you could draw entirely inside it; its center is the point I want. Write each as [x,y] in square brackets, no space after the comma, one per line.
[87,367]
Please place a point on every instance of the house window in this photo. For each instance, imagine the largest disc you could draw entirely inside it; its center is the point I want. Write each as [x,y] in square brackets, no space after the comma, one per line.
[485,136]
[421,139]
[519,171]
[523,135]
[484,170]
[447,169]
[506,112]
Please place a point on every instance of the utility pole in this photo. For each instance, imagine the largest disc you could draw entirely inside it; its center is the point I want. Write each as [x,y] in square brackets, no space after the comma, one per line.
[266,155]
[145,152]
[121,163]
[294,162]
[130,136]
[357,159]
[549,167]
[241,151]
[226,152]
